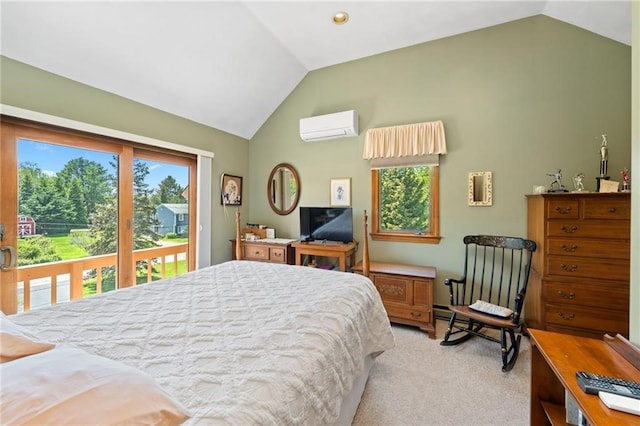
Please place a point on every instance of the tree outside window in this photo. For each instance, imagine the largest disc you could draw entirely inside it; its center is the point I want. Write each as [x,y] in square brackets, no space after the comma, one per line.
[405,204]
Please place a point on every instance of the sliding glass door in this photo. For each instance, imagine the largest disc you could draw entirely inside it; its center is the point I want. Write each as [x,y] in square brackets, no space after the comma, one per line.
[85,215]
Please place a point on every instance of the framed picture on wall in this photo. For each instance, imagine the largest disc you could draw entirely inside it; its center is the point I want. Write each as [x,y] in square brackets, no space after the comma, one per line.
[231,190]
[341,192]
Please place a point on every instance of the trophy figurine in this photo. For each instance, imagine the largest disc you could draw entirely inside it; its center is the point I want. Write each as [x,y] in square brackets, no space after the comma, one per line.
[577,182]
[604,157]
[556,184]
[625,180]
[604,161]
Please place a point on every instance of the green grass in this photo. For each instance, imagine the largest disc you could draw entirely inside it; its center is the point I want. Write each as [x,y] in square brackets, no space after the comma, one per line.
[169,270]
[175,240]
[108,284]
[65,249]
[68,251]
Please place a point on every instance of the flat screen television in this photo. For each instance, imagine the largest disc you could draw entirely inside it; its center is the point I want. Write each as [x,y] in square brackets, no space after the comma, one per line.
[326,224]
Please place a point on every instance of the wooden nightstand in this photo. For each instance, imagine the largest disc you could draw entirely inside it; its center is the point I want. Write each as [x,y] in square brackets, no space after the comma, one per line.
[406,291]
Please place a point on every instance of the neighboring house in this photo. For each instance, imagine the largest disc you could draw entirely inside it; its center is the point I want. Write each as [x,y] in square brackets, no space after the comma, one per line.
[26,226]
[172,218]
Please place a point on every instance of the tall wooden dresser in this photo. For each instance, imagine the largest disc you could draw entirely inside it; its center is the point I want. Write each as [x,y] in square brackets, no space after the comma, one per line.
[579,282]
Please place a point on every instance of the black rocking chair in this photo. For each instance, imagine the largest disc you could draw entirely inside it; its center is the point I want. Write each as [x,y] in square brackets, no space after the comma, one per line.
[491,292]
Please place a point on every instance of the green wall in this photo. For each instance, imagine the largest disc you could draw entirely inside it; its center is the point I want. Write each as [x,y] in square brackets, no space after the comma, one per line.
[520,99]
[33,89]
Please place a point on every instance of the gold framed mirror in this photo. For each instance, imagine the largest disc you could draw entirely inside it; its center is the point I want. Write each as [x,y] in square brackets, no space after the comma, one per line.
[480,189]
[283,189]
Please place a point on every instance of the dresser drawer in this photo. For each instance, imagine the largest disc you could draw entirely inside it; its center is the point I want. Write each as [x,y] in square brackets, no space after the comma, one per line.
[610,249]
[589,229]
[608,269]
[277,255]
[256,252]
[611,296]
[585,332]
[614,208]
[563,209]
[414,313]
[604,320]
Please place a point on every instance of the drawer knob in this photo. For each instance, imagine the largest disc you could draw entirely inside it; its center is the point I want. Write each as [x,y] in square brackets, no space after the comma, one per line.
[612,209]
[416,315]
[569,248]
[569,230]
[566,317]
[561,210]
[564,295]
[571,268]
[277,254]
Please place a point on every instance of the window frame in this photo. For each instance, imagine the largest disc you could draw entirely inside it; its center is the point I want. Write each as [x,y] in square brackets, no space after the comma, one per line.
[127,151]
[433,237]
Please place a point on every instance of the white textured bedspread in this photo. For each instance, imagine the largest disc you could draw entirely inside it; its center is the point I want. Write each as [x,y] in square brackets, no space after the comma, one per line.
[237,343]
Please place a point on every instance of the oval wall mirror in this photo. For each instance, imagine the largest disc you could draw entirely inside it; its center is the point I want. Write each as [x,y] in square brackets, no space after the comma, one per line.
[283,189]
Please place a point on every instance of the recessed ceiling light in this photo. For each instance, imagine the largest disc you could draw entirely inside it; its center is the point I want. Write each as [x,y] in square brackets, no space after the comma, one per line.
[340,18]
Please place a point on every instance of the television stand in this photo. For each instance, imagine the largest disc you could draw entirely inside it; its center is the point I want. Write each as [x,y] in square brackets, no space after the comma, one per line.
[337,249]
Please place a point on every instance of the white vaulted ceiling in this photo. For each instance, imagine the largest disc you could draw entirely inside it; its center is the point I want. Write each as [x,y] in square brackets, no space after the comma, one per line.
[229,64]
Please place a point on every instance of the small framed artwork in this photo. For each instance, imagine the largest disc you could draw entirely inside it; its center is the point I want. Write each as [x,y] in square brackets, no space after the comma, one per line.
[341,192]
[231,190]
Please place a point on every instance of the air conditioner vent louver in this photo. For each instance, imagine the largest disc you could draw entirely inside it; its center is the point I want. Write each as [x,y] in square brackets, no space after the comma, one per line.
[330,126]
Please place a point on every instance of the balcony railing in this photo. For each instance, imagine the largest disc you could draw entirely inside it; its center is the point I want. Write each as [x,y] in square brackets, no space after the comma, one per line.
[74,273]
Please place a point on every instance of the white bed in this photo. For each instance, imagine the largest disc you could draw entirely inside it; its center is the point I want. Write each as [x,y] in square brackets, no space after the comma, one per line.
[237,343]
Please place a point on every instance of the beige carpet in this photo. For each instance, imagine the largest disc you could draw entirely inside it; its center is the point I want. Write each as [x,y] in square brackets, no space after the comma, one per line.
[420,382]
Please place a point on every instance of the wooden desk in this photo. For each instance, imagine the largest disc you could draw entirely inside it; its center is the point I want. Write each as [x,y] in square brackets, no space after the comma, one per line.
[555,358]
[341,251]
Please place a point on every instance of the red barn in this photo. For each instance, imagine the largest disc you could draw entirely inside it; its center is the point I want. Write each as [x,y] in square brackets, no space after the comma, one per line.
[26,226]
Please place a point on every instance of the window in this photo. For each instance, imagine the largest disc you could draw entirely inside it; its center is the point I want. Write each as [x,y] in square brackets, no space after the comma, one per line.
[405,204]
[92,201]
[404,181]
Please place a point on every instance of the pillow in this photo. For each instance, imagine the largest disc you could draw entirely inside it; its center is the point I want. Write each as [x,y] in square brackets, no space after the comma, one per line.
[67,385]
[16,341]
[491,309]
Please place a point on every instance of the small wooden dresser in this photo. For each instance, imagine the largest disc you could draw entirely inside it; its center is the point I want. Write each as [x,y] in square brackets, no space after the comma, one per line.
[265,251]
[406,292]
[579,281]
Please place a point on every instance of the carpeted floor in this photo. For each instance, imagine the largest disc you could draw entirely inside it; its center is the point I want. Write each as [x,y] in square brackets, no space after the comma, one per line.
[420,382]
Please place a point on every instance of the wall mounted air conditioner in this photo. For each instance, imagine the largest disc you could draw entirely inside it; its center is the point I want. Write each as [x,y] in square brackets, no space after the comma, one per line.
[330,126]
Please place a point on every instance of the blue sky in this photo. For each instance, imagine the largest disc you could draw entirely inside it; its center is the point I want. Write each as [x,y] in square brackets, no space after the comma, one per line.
[52,158]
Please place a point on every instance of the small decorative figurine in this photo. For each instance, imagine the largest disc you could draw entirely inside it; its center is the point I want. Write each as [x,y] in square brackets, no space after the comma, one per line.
[625,179]
[556,184]
[577,182]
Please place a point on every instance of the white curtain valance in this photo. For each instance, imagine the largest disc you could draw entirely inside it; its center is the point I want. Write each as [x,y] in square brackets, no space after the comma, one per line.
[409,143]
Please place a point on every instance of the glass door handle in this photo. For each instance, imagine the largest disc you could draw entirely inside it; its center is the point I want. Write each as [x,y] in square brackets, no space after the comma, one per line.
[11,257]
